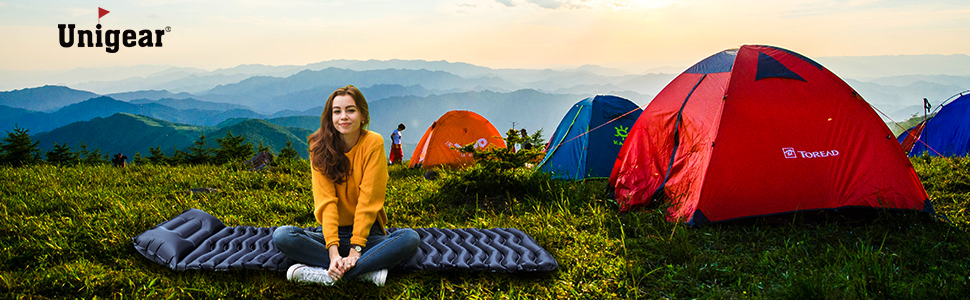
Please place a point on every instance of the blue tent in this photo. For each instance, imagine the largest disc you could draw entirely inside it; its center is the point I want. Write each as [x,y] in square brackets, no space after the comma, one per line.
[946,134]
[574,154]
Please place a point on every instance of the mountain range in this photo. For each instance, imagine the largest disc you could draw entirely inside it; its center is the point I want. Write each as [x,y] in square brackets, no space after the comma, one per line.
[104,106]
[412,92]
[107,80]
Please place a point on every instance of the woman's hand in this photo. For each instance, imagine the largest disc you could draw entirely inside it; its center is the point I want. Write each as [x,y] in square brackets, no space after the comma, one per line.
[351,260]
[335,271]
[339,265]
[346,263]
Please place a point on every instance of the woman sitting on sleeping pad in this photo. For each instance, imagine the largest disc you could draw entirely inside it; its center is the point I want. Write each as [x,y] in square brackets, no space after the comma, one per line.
[349,176]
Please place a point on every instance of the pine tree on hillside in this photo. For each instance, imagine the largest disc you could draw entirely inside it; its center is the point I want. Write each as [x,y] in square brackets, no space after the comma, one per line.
[62,155]
[82,152]
[157,157]
[232,148]
[139,160]
[262,148]
[91,157]
[199,153]
[288,152]
[179,157]
[18,150]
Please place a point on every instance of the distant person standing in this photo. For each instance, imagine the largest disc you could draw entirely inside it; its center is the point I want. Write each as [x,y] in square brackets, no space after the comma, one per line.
[120,160]
[397,153]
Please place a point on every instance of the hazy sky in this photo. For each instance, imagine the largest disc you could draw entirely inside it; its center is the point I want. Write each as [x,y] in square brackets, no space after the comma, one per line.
[634,35]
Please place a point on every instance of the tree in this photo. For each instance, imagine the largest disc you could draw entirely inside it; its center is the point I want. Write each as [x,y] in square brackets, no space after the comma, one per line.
[537,140]
[522,138]
[62,155]
[262,148]
[157,157]
[18,150]
[512,138]
[504,158]
[199,153]
[140,160]
[179,157]
[288,152]
[91,157]
[232,148]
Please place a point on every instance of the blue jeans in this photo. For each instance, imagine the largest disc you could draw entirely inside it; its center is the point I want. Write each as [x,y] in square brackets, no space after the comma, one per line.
[382,251]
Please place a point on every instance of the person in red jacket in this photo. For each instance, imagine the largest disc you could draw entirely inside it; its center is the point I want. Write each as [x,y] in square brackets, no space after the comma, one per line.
[349,178]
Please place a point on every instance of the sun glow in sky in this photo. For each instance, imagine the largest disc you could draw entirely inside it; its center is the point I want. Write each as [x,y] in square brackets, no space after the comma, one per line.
[633,35]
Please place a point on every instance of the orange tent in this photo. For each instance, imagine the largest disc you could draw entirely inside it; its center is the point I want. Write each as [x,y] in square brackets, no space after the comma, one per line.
[455,128]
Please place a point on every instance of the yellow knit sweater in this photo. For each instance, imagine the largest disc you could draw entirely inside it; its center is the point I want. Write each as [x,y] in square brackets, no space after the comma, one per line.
[360,200]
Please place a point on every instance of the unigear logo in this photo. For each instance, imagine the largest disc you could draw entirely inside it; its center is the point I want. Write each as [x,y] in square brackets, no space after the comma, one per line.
[792,153]
[112,38]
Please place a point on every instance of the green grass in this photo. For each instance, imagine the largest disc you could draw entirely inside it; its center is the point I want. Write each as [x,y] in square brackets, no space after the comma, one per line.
[66,233]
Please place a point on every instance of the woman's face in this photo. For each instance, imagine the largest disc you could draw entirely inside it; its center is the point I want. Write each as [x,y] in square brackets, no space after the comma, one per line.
[346,116]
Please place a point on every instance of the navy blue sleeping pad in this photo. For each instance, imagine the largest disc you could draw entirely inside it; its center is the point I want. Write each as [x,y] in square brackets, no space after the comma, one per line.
[196,240]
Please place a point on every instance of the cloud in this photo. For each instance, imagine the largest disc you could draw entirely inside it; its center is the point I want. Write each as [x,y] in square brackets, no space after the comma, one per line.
[152,16]
[550,4]
[459,5]
[506,2]
[572,4]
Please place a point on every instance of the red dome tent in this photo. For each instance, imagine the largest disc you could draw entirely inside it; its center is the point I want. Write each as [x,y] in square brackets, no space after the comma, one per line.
[760,131]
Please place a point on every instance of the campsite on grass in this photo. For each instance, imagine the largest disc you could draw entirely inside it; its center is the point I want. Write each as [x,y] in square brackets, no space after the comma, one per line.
[755,173]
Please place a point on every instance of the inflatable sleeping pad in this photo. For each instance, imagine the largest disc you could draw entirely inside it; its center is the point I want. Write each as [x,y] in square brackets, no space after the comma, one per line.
[196,240]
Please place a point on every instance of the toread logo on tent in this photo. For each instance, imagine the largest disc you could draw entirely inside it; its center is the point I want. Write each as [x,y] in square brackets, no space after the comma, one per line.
[112,38]
[792,153]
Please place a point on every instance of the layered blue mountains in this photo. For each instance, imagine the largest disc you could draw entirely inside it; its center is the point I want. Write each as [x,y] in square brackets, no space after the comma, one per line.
[131,109]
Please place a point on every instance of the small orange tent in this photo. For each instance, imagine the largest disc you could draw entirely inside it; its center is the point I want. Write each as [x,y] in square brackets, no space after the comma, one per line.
[455,128]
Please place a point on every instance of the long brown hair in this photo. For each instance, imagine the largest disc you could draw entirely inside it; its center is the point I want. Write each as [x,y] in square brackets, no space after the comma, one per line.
[326,145]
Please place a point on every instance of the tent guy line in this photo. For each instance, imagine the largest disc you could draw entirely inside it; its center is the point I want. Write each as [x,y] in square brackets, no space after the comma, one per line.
[592,155]
[944,134]
[897,125]
[601,125]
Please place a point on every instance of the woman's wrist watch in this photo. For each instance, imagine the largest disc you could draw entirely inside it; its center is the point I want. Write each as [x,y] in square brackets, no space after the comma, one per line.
[357,248]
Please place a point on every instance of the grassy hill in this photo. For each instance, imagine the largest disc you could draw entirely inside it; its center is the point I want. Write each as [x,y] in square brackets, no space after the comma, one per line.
[899,127]
[127,133]
[311,123]
[67,234]
[271,135]
[123,133]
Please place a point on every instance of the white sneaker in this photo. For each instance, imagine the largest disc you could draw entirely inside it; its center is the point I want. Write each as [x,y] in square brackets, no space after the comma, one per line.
[377,277]
[307,274]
